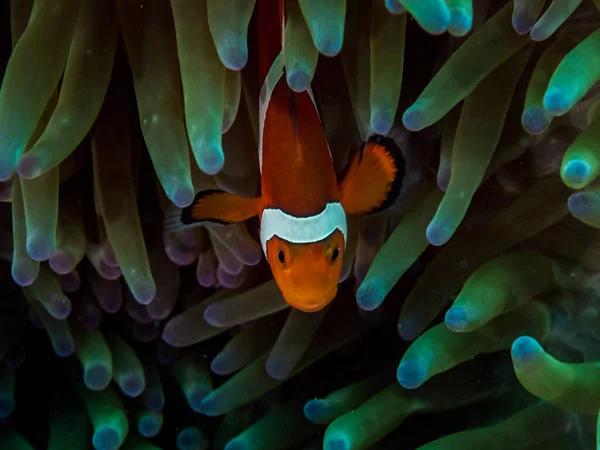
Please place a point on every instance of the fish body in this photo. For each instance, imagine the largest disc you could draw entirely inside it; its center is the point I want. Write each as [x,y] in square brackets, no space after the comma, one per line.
[302,208]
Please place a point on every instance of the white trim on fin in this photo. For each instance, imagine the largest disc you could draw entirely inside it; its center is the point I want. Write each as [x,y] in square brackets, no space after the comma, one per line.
[302,230]
[273,76]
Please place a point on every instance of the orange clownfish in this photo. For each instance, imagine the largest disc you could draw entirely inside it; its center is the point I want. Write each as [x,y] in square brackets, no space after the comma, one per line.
[302,209]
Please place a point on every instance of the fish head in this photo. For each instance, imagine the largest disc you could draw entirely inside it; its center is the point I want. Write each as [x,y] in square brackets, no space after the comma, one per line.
[307,273]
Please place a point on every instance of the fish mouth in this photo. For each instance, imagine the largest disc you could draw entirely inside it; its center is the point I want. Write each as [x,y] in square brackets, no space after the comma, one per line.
[310,304]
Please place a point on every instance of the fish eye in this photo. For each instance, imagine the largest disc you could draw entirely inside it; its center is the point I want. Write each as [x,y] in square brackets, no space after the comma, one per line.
[335,254]
[281,257]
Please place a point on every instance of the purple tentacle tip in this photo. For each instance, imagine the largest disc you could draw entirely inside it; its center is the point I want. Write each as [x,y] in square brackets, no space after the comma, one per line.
[457,318]
[234,58]
[412,373]
[337,443]
[298,80]
[183,195]
[526,349]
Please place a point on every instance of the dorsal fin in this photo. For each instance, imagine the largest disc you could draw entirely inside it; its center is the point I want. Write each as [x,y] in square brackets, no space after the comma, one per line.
[298,174]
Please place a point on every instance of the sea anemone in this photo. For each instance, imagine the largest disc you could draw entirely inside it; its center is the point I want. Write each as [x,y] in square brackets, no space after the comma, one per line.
[468,313]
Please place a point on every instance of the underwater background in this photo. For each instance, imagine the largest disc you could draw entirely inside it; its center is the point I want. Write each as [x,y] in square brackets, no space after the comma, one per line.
[468,314]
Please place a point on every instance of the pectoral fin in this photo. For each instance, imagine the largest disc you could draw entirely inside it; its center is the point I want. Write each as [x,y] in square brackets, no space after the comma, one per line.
[213,206]
[375,177]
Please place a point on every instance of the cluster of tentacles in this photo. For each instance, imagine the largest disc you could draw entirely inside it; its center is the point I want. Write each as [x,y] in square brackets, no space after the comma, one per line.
[115,333]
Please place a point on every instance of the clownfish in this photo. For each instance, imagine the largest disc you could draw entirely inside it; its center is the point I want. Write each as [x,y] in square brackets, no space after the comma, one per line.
[302,208]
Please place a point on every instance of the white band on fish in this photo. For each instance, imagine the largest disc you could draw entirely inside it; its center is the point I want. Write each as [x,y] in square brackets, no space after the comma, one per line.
[303,230]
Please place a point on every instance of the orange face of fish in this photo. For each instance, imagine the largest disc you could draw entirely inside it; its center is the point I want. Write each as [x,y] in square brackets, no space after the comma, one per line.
[307,274]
